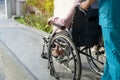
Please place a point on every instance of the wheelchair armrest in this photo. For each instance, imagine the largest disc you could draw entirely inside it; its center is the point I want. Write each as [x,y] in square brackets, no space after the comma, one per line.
[57,25]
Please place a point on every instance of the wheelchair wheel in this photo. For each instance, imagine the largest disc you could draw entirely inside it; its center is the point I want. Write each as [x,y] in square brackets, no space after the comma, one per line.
[67,66]
[98,64]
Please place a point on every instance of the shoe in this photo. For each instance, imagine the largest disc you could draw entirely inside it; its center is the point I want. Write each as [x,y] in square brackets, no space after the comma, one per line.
[101,49]
[57,51]
[94,49]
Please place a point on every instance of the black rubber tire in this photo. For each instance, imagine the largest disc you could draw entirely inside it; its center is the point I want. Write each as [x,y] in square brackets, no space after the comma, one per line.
[73,61]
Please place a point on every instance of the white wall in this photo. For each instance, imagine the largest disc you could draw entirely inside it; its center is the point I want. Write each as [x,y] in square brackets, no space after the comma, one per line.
[61,7]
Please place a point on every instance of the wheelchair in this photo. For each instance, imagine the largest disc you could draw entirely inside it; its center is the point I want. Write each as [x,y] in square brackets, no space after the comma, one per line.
[83,34]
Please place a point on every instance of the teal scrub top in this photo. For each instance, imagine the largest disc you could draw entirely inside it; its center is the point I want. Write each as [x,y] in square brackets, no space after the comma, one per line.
[109,13]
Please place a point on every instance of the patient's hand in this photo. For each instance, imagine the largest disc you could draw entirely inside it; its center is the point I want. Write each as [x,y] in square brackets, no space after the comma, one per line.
[56,20]
[52,19]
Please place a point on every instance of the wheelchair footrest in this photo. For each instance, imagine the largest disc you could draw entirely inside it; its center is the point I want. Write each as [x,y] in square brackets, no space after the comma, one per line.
[44,55]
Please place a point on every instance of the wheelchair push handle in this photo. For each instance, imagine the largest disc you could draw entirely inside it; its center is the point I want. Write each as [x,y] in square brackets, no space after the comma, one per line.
[83,11]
